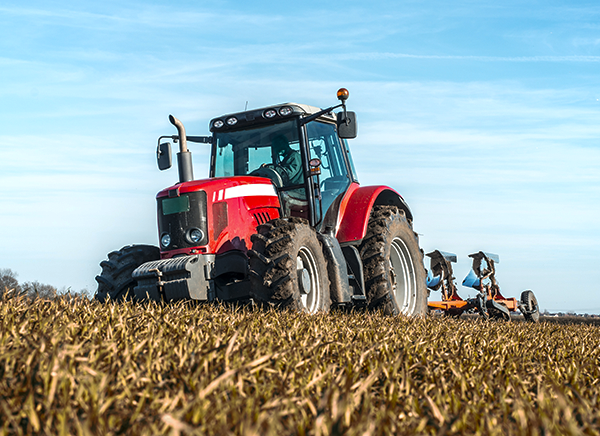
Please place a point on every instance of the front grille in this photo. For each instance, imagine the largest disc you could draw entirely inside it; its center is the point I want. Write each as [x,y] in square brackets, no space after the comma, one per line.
[178,224]
[262,217]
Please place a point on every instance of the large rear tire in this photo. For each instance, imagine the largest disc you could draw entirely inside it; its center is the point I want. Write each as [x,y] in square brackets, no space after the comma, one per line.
[115,281]
[288,268]
[395,278]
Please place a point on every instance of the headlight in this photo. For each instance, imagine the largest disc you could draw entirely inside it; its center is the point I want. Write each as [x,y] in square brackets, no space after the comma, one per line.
[285,111]
[218,124]
[232,121]
[165,240]
[194,235]
[270,113]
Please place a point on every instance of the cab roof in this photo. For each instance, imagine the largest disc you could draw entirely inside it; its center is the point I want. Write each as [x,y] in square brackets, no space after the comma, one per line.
[268,114]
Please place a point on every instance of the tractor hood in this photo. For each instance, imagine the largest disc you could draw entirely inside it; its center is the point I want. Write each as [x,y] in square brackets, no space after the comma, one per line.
[214,215]
[224,187]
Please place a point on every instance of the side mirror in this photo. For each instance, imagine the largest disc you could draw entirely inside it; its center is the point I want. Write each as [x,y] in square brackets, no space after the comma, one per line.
[347,127]
[163,155]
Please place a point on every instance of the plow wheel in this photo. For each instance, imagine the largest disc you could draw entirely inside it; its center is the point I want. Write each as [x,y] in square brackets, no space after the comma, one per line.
[530,304]
[393,264]
[288,268]
[115,281]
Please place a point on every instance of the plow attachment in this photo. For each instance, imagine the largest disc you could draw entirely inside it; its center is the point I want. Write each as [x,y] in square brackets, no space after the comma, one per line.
[489,302]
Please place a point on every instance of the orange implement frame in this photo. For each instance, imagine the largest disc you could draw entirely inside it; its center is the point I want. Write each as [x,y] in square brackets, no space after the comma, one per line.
[488,302]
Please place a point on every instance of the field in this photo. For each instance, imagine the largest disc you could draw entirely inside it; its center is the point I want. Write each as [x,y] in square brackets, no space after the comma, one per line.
[77,367]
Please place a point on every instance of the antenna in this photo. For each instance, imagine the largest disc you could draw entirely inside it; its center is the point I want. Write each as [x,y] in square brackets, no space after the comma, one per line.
[246,108]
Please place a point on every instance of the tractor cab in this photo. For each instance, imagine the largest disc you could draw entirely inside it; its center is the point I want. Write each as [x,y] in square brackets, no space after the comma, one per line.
[300,148]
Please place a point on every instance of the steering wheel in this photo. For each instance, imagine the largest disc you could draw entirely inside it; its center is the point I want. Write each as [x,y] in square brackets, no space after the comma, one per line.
[269,172]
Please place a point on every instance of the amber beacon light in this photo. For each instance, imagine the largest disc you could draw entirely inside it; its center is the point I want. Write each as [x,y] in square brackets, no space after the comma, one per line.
[343,94]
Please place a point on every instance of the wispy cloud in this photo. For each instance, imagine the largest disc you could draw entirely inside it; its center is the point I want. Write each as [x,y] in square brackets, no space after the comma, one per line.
[162,17]
[379,56]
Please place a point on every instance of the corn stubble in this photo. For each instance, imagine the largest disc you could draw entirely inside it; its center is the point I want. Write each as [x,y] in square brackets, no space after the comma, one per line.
[78,367]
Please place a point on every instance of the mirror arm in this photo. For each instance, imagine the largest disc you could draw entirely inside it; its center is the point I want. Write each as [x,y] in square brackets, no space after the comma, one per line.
[321,112]
[346,120]
[198,139]
[168,137]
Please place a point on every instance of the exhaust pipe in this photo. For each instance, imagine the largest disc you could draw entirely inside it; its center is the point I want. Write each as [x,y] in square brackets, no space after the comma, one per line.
[184,157]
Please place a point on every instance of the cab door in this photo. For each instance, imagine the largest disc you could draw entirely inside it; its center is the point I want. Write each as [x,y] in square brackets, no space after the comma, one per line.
[324,144]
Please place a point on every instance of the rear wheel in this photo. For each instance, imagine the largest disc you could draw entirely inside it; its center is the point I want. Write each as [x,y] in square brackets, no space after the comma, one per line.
[530,305]
[115,281]
[288,268]
[393,264]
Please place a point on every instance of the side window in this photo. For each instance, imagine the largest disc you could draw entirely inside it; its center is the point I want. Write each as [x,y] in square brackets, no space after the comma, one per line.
[317,147]
[224,161]
[324,144]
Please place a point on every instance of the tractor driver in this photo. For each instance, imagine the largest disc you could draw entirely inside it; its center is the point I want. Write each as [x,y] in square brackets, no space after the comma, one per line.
[288,162]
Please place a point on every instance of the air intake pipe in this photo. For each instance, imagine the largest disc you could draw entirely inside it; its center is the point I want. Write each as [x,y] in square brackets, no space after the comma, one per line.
[184,157]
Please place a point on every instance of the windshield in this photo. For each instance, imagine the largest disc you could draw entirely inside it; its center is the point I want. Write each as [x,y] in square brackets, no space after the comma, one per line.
[273,151]
[274,146]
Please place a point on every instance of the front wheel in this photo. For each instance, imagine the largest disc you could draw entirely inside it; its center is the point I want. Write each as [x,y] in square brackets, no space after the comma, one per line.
[115,282]
[393,264]
[288,268]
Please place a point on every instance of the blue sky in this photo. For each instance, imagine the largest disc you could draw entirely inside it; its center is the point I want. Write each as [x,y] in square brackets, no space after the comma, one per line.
[484,115]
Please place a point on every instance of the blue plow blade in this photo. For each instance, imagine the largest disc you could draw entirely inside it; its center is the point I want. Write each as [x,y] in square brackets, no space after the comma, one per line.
[432,281]
[490,256]
[450,257]
[471,280]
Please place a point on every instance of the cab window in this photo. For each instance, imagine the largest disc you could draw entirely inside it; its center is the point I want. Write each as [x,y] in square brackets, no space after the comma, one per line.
[241,152]
[324,144]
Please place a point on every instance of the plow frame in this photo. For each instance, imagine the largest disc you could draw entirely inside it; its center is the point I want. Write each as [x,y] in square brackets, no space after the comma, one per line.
[489,302]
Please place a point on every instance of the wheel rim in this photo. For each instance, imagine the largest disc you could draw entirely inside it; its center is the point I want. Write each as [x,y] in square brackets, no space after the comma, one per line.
[306,268]
[534,308]
[531,304]
[403,277]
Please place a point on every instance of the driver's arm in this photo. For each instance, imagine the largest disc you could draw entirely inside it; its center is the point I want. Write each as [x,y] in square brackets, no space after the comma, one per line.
[293,167]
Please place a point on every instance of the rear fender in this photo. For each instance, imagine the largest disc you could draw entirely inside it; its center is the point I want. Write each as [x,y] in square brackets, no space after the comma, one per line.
[355,210]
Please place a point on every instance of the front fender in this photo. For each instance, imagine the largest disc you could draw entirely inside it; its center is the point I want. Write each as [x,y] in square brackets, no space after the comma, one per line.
[355,210]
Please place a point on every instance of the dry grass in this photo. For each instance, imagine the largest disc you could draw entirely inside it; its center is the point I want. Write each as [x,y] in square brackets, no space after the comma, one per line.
[77,367]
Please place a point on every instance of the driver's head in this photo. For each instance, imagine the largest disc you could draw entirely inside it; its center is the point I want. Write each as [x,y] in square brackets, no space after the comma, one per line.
[281,145]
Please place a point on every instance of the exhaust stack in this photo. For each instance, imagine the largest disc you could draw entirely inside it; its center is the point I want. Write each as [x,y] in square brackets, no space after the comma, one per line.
[184,157]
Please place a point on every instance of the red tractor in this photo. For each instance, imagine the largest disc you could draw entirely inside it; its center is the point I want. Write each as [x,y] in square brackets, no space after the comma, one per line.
[281,221]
